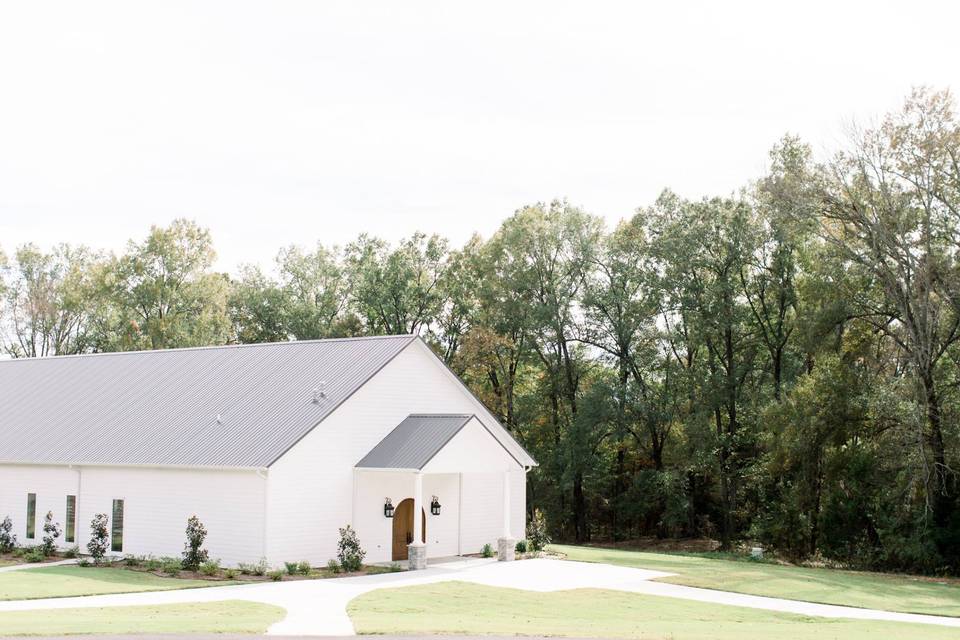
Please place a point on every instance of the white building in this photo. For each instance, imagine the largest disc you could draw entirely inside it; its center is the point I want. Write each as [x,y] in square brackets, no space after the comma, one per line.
[274,447]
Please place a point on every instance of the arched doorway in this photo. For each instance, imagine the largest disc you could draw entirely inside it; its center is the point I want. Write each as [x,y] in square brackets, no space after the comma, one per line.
[403,528]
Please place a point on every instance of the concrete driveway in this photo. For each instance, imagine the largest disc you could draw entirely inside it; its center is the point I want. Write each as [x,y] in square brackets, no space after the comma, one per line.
[318,607]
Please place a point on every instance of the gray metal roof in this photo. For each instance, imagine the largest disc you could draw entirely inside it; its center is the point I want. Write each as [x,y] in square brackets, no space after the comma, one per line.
[161,407]
[416,440]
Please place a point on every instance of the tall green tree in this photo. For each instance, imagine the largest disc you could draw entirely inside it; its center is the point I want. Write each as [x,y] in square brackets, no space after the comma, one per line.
[164,292]
[702,248]
[892,209]
[397,290]
[48,302]
[544,253]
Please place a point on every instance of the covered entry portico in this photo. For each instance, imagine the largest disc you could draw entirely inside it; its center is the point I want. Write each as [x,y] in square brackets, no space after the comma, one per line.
[438,485]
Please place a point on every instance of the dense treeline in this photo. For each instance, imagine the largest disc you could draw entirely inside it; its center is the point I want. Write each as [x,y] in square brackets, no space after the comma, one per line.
[779,365]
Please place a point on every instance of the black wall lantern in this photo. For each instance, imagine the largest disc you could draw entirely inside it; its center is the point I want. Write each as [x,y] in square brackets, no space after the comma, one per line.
[435,506]
[388,509]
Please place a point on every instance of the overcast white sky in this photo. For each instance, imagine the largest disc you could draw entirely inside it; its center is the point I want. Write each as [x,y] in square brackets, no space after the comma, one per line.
[274,123]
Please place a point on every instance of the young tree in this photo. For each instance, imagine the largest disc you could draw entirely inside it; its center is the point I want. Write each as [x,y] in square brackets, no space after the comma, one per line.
[194,554]
[8,540]
[99,537]
[349,552]
[51,531]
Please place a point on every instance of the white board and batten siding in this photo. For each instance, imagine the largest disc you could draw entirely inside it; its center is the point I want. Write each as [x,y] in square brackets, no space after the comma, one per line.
[157,503]
[311,488]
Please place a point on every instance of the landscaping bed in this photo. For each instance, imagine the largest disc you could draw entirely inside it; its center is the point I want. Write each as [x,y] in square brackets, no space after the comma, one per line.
[211,571]
[32,555]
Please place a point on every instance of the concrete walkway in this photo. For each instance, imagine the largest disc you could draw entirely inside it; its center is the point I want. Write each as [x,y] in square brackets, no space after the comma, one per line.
[318,607]
[36,565]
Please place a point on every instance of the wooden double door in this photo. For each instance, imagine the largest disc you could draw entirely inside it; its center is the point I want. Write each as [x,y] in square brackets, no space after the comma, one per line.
[403,528]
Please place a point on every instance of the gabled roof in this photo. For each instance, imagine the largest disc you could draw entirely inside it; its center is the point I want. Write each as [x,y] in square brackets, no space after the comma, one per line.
[162,407]
[416,440]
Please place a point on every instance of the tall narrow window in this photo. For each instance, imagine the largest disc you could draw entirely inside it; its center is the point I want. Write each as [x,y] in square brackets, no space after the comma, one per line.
[116,533]
[31,515]
[71,531]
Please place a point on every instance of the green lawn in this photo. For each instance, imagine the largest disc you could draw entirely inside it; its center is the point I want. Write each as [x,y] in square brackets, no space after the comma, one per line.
[830,586]
[63,581]
[231,616]
[463,608]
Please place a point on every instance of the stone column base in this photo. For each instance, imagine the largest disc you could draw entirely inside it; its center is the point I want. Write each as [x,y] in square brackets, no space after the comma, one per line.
[416,556]
[506,549]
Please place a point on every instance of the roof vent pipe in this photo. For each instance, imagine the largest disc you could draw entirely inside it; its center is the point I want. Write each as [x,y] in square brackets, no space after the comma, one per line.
[219,419]
[320,391]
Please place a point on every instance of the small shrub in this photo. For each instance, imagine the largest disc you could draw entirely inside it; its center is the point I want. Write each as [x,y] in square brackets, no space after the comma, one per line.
[395,567]
[210,568]
[193,552]
[83,562]
[292,567]
[132,561]
[35,555]
[333,566]
[99,532]
[349,551]
[72,552]
[8,541]
[258,569]
[171,566]
[276,575]
[521,546]
[487,550]
[51,531]
[303,568]
[230,574]
[152,564]
[19,552]
[537,535]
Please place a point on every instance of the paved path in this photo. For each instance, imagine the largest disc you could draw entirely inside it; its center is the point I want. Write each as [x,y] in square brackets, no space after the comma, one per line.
[36,565]
[318,607]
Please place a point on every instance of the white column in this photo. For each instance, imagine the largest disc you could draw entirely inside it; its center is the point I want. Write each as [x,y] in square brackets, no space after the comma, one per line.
[417,550]
[506,504]
[417,508]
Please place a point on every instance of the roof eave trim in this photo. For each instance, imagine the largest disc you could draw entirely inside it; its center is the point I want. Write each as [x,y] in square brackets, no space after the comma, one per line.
[135,465]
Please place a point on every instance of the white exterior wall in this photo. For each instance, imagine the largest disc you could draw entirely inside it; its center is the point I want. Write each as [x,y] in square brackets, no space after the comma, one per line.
[52,486]
[376,531]
[483,512]
[311,488]
[157,503]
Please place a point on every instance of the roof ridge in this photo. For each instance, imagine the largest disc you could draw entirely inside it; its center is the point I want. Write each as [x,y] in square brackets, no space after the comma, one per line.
[244,345]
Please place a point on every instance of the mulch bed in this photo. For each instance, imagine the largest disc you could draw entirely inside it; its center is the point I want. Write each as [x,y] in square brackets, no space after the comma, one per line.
[7,559]
[221,576]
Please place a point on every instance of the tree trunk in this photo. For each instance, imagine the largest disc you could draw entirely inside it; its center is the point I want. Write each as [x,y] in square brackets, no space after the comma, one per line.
[579,509]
